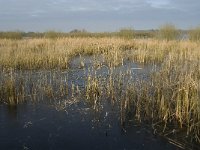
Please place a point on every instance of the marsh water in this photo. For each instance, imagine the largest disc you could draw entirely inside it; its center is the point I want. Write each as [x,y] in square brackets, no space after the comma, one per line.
[69,121]
[40,126]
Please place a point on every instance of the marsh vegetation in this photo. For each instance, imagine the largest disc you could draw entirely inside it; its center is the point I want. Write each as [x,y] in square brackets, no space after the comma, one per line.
[152,81]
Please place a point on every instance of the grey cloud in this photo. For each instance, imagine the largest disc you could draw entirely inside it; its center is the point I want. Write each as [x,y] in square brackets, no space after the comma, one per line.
[96,15]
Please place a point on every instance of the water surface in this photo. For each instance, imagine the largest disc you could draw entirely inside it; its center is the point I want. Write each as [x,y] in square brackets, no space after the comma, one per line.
[69,122]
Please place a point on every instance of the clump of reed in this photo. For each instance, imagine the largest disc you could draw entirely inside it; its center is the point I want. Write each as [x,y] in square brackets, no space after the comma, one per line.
[93,92]
[171,97]
[176,99]
[12,91]
[8,93]
[18,87]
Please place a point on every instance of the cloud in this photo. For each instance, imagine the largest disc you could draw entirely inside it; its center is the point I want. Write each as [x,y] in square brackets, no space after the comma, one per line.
[159,3]
[96,5]
[37,13]
[102,14]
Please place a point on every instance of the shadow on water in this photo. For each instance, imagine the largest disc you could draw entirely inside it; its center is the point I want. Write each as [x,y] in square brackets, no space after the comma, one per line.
[69,122]
[42,127]
[12,112]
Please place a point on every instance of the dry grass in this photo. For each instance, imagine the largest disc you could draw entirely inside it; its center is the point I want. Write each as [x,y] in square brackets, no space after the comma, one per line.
[57,53]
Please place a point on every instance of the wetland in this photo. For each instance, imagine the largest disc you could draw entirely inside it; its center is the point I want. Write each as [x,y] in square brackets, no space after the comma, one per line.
[99,93]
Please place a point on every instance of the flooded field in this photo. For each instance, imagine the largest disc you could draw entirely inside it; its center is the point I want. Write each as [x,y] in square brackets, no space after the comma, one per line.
[56,114]
[99,94]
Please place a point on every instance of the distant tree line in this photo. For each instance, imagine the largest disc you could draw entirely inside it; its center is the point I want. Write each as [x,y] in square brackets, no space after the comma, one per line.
[12,35]
[126,33]
[165,32]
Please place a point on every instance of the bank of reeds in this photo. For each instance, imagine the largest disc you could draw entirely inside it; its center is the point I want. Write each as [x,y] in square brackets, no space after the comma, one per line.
[57,53]
[170,97]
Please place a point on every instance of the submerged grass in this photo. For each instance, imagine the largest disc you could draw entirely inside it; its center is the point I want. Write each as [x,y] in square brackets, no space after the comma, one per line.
[170,97]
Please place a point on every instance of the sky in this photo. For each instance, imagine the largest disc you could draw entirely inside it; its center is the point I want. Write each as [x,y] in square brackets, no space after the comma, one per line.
[97,15]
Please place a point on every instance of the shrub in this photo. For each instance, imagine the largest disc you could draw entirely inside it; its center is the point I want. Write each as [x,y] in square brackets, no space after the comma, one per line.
[126,33]
[52,34]
[168,32]
[194,34]
[11,35]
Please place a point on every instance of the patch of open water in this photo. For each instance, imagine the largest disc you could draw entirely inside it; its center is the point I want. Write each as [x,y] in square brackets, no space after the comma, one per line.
[43,125]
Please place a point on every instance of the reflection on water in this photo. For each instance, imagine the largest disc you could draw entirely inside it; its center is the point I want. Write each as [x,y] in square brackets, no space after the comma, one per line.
[12,112]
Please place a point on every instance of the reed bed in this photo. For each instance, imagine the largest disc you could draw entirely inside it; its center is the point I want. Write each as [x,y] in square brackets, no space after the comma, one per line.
[57,53]
[169,98]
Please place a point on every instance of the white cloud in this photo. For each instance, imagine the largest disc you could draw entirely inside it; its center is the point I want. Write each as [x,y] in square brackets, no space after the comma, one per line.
[37,12]
[160,3]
